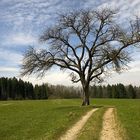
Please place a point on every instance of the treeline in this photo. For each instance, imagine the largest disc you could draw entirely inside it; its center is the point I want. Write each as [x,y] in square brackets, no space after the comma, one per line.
[14,89]
[115,91]
[66,92]
[109,91]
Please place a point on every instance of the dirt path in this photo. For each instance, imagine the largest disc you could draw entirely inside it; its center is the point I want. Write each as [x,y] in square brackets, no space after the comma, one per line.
[109,131]
[71,134]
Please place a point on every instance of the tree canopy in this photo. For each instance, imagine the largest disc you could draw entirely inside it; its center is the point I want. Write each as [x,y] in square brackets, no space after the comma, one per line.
[89,43]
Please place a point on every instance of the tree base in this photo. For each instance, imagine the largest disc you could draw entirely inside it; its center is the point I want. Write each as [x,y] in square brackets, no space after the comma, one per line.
[86,102]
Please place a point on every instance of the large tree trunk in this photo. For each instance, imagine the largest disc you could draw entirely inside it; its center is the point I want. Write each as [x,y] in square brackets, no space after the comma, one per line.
[85,96]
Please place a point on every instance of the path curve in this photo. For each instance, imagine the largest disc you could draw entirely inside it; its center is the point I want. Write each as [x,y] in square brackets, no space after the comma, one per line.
[109,130]
[71,134]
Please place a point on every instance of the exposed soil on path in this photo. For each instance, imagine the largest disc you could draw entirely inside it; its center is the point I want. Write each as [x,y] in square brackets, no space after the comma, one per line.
[110,130]
[71,134]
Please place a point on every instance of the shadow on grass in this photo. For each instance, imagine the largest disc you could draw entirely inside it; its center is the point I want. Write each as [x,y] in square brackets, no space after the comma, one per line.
[97,106]
[74,108]
[67,108]
[103,106]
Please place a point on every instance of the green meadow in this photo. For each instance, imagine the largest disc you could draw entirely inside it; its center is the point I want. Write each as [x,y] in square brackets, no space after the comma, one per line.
[49,119]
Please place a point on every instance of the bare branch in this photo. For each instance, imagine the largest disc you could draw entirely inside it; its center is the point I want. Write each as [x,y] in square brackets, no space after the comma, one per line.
[74,78]
[87,43]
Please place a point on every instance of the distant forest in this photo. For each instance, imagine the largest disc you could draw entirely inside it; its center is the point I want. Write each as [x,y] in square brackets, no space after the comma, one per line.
[17,89]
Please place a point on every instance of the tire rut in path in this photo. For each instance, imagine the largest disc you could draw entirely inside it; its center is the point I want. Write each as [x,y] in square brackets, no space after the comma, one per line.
[110,130]
[71,134]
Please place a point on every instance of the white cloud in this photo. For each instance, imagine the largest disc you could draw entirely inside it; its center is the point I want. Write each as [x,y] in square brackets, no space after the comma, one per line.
[8,69]
[125,78]
[19,39]
[52,77]
[25,12]
[134,66]
[42,11]
[10,58]
[62,78]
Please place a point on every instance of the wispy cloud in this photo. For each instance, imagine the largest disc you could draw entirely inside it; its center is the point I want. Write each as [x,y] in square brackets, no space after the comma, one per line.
[8,69]
[8,58]
[29,14]
[19,39]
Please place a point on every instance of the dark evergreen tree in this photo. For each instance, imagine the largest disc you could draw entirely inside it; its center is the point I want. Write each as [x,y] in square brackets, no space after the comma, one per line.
[109,91]
[121,91]
[114,91]
[131,92]
[4,94]
[12,88]
[37,92]
[93,91]
[100,92]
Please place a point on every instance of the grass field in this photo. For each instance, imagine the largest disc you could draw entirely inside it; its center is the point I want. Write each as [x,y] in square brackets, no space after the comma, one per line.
[48,119]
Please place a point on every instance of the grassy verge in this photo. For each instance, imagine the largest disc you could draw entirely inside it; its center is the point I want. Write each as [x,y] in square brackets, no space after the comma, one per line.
[38,119]
[92,129]
[121,131]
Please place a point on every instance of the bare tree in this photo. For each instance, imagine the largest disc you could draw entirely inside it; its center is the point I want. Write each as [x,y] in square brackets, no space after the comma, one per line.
[88,43]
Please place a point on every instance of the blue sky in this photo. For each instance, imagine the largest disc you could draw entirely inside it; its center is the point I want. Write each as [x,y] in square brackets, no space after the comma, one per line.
[23,21]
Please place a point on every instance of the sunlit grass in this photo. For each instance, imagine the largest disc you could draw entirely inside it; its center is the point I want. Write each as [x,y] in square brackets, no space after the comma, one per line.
[38,119]
[49,119]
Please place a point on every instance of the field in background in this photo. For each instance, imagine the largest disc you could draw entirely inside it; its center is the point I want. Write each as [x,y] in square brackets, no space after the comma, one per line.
[48,119]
